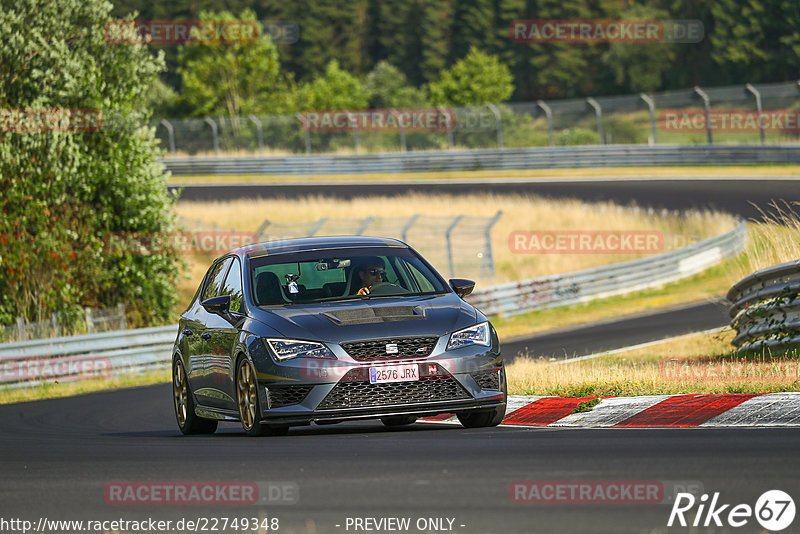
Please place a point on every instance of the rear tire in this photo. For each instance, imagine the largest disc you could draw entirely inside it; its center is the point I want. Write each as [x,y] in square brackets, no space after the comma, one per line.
[188,422]
[249,405]
[482,418]
[398,420]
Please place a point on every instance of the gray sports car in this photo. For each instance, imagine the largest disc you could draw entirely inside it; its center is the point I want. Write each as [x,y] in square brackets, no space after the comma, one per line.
[326,330]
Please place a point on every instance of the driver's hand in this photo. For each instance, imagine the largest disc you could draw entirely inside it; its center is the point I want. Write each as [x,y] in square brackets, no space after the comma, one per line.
[363,291]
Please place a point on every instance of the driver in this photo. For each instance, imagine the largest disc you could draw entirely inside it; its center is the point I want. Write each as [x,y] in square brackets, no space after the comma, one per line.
[370,272]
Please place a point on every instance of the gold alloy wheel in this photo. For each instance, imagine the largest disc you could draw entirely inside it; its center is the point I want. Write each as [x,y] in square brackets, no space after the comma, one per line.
[179,392]
[246,387]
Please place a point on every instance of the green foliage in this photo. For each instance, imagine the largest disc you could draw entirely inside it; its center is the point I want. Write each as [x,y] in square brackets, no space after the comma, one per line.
[233,79]
[65,191]
[387,87]
[477,79]
[336,89]
[624,132]
[576,136]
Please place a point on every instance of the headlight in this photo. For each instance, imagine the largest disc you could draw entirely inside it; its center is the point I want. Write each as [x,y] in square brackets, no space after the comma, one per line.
[286,349]
[474,335]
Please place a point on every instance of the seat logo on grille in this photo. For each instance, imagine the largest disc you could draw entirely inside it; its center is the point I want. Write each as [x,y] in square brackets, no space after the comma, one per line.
[391,348]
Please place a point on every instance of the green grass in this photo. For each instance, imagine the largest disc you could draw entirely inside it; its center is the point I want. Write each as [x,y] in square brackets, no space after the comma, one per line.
[586,406]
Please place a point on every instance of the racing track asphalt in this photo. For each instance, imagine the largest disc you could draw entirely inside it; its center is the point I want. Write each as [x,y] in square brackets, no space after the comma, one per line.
[734,196]
[57,456]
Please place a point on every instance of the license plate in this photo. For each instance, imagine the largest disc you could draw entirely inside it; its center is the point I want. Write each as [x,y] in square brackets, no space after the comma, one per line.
[393,373]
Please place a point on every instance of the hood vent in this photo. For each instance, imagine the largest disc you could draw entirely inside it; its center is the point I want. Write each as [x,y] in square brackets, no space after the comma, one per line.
[369,315]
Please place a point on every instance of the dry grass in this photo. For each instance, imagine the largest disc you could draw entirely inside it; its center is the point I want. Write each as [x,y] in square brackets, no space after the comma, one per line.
[519,213]
[656,370]
[776,239]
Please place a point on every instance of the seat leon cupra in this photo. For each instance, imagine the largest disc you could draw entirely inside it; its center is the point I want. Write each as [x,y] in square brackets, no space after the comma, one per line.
[333,329]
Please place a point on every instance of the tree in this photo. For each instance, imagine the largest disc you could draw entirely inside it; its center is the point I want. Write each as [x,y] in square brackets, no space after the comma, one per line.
[65,191]
[233,79]
[387,87]
[477,79]
[336,89]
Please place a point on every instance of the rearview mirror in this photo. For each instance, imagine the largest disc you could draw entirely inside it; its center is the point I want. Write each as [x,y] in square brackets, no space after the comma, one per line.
[218,305]
[462,286]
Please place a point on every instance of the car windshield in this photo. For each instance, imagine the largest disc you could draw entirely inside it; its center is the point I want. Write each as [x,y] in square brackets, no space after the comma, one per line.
[311,277]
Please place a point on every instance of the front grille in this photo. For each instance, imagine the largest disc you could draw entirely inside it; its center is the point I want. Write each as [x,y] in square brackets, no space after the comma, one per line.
[375,350]
[287,395]
[487,379]
[354,392]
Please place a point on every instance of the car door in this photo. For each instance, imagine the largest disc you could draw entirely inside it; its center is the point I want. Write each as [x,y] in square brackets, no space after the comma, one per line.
[222,341]
[202,361]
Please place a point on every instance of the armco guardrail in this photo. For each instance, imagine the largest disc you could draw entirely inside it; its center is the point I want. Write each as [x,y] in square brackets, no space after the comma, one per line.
[127,351]
[601,282]
[28,363]
[506,159]
[766,309]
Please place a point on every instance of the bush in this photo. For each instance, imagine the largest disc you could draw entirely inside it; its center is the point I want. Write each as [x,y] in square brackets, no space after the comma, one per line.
[577,136]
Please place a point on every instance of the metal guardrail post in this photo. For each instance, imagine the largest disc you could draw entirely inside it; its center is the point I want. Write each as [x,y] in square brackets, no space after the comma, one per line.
[450,126]
[598,113]
[447,234]
[214,133]
[306,133]
[707,105]
[259,130]
[548,113]
[754,91]
[170,134]
[498,122]
[355,130]
[487,263]
[407,227]
[317,226]
[262,228]
[652,105]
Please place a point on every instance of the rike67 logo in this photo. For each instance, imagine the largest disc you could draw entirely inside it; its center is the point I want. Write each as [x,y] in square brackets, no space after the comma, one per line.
[774,510]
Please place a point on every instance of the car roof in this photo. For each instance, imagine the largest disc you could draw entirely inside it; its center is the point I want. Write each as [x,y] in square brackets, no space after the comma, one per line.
[304,244]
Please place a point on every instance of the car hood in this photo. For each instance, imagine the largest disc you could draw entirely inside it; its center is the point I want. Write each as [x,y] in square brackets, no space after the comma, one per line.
[352,320]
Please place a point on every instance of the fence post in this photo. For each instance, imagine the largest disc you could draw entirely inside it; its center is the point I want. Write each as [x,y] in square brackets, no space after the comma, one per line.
[549,114]
[450,245]
[261,228]
[752,89]
[21,328]
[54,324]
[355,131]
[499,122]
[364,224]
[317,226]
[598,112]
[707,105]
[89,321]
[260,132]
[123,321]
[488,261]
[306,133]
[403,146]
[407,227]
[214,133]
[652,106]
[450,125]
[170,134]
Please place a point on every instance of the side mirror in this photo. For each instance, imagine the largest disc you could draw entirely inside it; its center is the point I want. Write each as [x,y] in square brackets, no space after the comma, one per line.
[218,305]
[462,286]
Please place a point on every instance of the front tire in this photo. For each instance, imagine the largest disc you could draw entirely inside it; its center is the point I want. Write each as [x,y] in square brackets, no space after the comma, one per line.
[482,418]
[249,406]
[188,422]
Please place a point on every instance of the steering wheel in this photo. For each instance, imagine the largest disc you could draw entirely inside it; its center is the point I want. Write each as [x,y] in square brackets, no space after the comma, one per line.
[386,288]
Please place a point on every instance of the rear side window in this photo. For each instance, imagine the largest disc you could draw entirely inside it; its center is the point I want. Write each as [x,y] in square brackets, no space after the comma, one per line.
[233,286]
[214,279]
